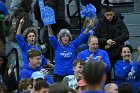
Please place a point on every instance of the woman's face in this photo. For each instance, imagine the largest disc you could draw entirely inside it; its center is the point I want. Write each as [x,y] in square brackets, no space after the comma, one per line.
[31,39]
[126,54]
[65,39]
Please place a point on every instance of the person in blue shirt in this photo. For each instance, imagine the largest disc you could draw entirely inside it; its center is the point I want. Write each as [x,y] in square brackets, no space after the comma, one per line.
[127,70]
[64,50]
[93,53]
[28,41]
[34,57]
[94,76]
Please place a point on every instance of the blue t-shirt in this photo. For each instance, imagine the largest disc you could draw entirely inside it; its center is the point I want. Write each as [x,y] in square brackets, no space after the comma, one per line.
[93,91]
[3,8]
[84,55]
[126,72]
[65,55]
[25,47]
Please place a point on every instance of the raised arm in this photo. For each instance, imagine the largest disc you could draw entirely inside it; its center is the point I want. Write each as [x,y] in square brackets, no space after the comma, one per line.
[20,26]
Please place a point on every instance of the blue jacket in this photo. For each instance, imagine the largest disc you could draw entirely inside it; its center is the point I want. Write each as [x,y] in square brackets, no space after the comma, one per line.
[27,71]
[3,8]
[126,72]
[86,53]
[65,55]
[25,47]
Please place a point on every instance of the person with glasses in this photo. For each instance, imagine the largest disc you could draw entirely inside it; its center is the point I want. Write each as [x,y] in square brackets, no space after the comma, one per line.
[95,54]
[64,49]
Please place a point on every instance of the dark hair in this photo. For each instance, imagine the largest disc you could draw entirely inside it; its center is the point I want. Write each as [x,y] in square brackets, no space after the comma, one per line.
[42,84]
[26,5]
[129,46]
[108,9]
[33,53]
[93,72]
[126,88]
[82,62]
[59,88]
[24,83]
[3,87]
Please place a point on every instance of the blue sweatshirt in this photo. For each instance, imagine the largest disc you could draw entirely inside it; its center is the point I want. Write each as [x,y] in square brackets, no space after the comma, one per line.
[3,8]
[65,55]
[27,71]
[84,55]
[126,72]
[87,91]
[25,47]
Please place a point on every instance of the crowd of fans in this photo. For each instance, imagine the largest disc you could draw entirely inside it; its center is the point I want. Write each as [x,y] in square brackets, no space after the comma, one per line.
[82,65]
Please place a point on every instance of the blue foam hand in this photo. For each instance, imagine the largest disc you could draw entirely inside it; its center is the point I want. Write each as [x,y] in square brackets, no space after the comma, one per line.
[89,11]
[47,14]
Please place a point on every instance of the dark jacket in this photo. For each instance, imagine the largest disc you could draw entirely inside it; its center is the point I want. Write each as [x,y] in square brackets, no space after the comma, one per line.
[115,30]
[10,82]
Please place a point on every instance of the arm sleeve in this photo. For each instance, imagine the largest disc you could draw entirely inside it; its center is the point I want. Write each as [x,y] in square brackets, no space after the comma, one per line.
[21,42]
[121,72]
[65,81]
[54,42]
[10,82]
[124,35]
[81,39]
[49,79]
[80,56]
[107,61]
[97,32]
[44,60]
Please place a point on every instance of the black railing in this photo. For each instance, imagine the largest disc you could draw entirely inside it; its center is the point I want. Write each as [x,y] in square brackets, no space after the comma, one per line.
[77,13]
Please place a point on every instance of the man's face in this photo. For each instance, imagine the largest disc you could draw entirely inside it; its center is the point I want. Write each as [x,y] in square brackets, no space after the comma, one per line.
[35,61]
[109,15]
[126,54]
[93,44]
[78,70]
[43,90]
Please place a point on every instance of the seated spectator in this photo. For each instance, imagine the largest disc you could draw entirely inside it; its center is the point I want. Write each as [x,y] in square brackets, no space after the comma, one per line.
[111,32]
[64,50]
[111,88]
[25,85]
[28,41]
[126,88]
[3,88]
[60,88]
[81,86]
[41,87]
[93,53]
[94,76]
[127,70]
[71,80]
[7,75]
[34,57]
